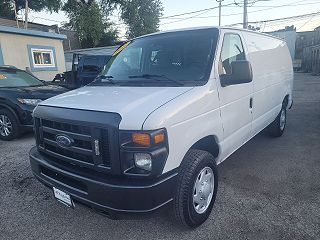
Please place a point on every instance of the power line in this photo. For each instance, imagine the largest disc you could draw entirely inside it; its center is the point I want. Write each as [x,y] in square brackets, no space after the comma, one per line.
[248,3]
[275,6]
[278,19]
[308,21]
[184,18]
[201,10]
[51,20]
[260,10]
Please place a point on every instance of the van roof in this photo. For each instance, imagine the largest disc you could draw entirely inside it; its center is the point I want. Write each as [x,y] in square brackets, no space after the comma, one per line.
[209,27]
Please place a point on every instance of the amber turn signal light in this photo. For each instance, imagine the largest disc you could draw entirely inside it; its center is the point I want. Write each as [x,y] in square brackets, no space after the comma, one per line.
[159,138]
[141,139]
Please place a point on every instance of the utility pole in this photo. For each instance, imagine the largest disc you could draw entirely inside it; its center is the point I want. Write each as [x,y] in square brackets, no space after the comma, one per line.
[220,6]
[245,14]
[15,13]
[26,15]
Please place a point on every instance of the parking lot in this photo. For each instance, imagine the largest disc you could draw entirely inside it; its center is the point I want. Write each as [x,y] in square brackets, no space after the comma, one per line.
[269,189]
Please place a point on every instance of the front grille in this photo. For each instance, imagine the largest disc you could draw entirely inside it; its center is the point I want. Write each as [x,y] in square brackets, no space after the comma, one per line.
[83,151]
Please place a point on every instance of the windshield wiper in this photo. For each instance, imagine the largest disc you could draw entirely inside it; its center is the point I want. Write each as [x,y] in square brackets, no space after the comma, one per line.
[155,76]
[103,79]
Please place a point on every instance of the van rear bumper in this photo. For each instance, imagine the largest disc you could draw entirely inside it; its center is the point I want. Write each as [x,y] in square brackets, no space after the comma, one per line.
[120,196]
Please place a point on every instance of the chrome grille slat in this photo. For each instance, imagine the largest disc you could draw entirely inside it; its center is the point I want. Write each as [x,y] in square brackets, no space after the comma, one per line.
[70,160]
[74,149]
[71,134]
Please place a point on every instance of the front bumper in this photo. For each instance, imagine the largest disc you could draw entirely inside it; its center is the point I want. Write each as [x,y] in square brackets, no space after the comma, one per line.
[114,195]
[25,115]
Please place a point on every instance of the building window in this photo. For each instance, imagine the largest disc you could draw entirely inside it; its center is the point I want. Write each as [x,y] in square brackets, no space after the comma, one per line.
[42,58]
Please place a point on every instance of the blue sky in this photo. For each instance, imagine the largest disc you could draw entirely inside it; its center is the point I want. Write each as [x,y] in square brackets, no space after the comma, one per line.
[259,12]
[262,10]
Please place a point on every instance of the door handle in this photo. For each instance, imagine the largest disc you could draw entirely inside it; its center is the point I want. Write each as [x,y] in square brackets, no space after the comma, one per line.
[251,103]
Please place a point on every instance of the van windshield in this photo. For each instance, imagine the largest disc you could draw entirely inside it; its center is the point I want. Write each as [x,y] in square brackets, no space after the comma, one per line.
[176,58]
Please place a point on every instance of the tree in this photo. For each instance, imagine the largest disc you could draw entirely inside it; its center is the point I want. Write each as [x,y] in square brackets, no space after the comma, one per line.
[87,19]
[39,5]
[6,9]
[141,16]
[7,6]
[109,38]
[108,6]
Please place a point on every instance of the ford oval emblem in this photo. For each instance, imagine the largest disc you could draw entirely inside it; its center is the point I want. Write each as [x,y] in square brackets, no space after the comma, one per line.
[64,141]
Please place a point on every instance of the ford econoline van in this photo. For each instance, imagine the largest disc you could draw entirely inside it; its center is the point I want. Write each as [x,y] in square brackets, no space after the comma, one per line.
[166,110]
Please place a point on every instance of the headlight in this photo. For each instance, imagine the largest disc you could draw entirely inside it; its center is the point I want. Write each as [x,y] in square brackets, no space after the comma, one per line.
[33,102]
[143,153]
[143,161]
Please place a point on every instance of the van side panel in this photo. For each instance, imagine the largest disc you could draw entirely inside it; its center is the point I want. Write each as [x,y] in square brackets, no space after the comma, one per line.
[272,77]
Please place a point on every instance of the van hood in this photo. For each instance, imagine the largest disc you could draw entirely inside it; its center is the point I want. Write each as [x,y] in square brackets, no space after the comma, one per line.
[134,104]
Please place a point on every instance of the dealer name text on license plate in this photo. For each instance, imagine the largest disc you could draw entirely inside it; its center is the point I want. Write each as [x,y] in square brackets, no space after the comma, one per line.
[63,197]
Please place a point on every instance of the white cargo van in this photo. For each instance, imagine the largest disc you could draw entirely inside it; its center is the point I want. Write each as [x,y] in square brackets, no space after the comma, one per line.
[151,129]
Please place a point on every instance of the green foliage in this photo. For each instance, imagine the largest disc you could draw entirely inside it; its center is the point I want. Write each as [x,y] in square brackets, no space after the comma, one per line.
[108,6]
[6,9]
[92,27]
[39,5]
[7,6]
[141,16]
[90,18]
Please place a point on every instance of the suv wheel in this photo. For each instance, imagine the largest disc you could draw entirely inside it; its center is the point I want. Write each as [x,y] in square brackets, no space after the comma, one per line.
[9,128]
[196,188]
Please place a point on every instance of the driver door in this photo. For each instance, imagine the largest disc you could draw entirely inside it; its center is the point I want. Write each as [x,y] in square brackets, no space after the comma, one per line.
[235,100]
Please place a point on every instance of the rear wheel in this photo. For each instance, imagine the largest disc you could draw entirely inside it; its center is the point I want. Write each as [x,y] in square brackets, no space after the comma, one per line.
[9,128]
[196,188]
[277,127]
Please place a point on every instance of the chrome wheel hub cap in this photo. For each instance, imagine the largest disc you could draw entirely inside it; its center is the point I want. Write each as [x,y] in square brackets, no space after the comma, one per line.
[203,190]
[282,119]
[5,126]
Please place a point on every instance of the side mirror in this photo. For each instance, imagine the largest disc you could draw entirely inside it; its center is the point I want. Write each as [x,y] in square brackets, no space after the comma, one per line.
[241,73]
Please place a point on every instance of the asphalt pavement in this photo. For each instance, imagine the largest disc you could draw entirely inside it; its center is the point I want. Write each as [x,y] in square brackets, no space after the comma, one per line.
[268,189]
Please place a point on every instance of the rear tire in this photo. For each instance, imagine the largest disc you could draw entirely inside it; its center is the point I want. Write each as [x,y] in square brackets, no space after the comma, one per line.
[9,127]
[277,127]
[196,189]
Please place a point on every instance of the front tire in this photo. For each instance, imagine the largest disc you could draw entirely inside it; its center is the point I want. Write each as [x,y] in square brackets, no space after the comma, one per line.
[277,127]
[196,189]
[9,128]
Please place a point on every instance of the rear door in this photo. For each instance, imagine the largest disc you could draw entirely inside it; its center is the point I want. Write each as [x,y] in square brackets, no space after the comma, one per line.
[235,100]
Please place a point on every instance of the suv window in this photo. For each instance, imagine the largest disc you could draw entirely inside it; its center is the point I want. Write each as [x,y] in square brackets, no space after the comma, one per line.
[232,50]
[90,64]
[17,78]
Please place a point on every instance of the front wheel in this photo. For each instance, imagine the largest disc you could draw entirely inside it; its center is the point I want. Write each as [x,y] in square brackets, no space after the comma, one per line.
[277,127]
[9,128]
[196,189]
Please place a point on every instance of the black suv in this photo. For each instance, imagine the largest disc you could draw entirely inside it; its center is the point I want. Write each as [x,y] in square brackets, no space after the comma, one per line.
[20,92]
